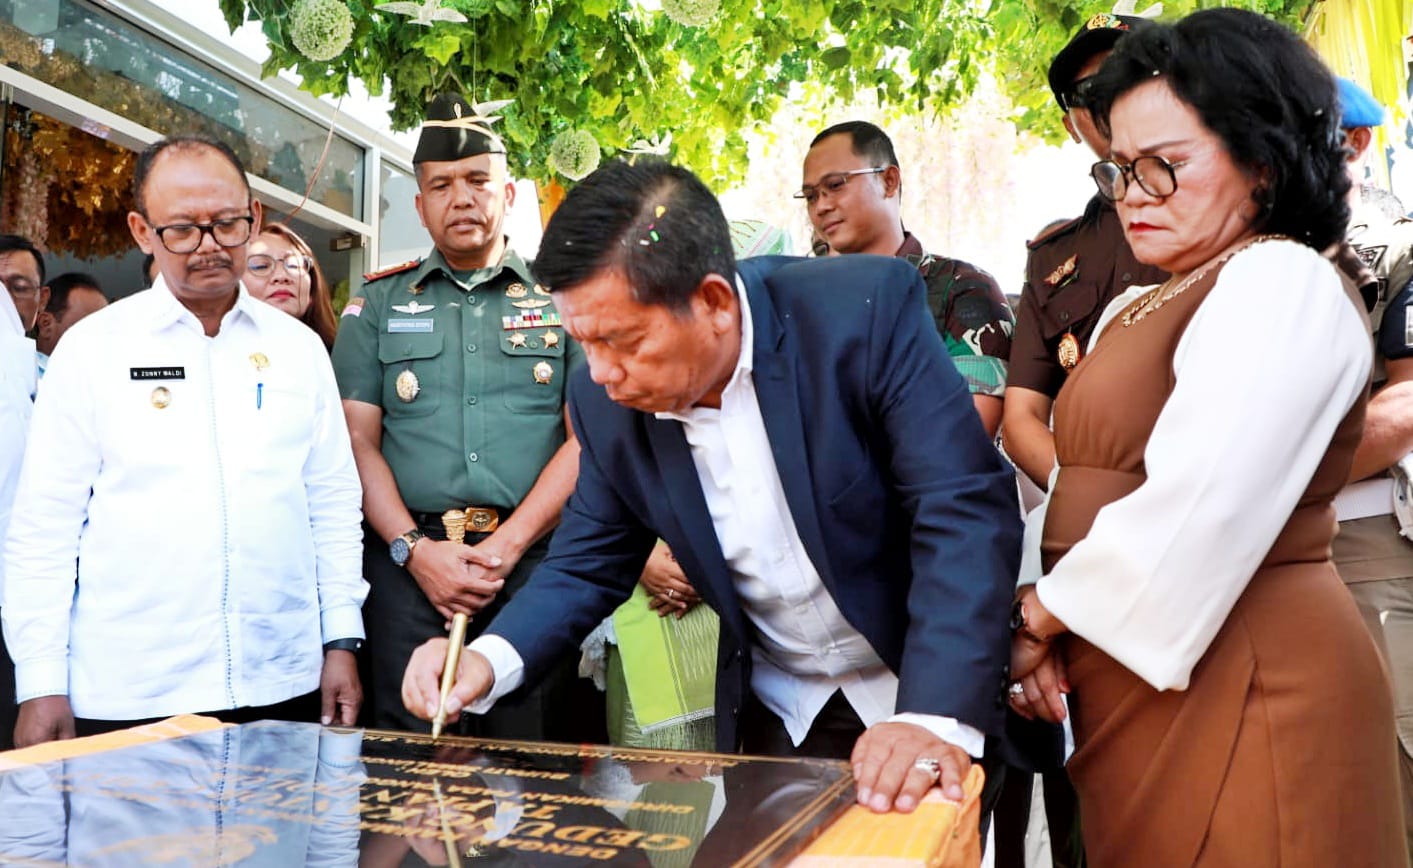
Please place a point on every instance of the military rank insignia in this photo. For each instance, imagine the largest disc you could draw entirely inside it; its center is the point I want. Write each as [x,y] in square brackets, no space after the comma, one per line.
[1064,273]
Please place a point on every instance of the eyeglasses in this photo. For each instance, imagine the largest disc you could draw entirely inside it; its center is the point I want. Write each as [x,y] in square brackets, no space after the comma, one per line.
[1078,95]
[1155,176]
[833,183]
[19,286]
[186,237]
[262,265]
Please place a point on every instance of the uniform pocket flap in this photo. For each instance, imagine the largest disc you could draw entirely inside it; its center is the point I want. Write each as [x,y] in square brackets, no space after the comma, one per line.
[401,347]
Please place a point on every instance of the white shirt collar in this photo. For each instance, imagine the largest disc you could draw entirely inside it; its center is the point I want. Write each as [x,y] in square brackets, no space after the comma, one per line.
[168,309]
[744,361]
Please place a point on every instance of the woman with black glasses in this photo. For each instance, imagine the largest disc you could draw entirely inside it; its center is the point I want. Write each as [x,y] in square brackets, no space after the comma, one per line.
[1228,704]
[281,270]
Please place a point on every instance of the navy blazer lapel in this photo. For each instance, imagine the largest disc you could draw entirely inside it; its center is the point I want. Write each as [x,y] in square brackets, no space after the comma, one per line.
[683,491]
[777,392]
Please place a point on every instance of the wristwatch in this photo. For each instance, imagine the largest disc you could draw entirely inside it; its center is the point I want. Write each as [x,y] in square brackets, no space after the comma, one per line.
[1021,626]
[343,645]
[400,549]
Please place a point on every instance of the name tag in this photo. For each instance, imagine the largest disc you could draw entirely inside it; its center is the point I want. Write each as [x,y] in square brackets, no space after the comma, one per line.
[177,373]
[404,326]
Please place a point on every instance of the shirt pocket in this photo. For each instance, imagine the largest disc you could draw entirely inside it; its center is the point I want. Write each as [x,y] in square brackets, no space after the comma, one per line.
[1068,309]
[534,375]
[415,359]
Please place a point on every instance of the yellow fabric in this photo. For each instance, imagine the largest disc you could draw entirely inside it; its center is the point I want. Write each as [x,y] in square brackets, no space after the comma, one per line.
[1362,40]
[939,834]
[172,727]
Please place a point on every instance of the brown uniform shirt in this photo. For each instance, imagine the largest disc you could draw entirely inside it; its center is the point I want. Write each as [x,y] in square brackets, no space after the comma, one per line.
[1073,270]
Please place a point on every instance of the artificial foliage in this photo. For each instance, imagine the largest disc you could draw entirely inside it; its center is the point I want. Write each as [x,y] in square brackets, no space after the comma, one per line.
[320,29]
[71,189]
[574,154]
[706,71]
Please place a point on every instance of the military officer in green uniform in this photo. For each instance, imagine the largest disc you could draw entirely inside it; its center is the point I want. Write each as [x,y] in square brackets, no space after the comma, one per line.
[452,372]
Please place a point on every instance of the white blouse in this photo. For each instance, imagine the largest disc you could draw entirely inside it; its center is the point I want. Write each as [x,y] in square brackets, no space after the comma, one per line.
[1268,366]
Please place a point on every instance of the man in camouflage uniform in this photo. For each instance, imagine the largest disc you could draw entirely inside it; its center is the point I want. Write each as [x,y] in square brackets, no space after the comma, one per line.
[853,188]
[453,374]
[1373,557]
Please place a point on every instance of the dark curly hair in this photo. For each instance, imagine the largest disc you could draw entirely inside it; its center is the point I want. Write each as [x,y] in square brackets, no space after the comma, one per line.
[1265,94]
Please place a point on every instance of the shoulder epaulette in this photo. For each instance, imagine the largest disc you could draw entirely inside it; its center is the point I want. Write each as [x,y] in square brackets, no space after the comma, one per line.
[1054,230]
[388,272]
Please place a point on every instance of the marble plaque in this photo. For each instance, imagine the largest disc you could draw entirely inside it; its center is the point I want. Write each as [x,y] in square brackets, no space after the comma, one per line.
[289,794]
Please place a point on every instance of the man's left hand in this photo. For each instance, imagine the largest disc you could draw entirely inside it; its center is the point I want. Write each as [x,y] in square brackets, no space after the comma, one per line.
[886,772]
[340,692]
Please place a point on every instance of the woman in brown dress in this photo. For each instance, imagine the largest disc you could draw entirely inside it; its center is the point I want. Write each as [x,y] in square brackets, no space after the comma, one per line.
[1228,704]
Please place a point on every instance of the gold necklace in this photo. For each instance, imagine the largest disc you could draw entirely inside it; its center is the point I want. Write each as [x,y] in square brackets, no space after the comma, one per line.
[1156,298]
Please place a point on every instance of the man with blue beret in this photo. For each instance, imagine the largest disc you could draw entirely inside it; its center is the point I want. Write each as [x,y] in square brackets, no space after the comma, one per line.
[1375,511]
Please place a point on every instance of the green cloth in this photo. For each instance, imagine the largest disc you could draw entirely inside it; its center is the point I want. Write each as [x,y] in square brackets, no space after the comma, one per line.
[482,427]
[757,238]
[669,673]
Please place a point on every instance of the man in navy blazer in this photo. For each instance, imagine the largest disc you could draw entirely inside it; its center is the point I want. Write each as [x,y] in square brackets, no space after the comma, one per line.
[814,461]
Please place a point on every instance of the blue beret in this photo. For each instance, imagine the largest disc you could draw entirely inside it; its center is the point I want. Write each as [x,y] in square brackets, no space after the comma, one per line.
[1357,107]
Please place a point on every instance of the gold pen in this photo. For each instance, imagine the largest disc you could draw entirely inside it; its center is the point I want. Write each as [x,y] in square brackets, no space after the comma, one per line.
[454,522]
[453,657]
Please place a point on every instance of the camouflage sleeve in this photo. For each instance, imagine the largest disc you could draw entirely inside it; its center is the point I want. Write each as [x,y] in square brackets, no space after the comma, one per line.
[977,323]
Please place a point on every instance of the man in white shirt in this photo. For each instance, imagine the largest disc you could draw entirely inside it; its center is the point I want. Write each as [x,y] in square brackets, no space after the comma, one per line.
[189,455]
[22,274]
[800,438]
[72,296]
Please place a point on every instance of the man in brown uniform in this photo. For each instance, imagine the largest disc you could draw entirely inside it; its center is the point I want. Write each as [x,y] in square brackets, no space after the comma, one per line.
[1075,267]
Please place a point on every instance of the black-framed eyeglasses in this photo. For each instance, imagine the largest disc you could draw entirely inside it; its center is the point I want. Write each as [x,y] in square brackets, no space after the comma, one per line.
[1155,176]
[1079,94]
[832,183]
[186,237]
[262,265]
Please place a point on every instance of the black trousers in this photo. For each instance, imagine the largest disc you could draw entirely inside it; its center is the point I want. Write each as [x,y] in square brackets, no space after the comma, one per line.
[300,709]
[398,618]
[9,711]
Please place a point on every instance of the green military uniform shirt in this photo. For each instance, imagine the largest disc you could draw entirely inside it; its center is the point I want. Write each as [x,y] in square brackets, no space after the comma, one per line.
[471,377]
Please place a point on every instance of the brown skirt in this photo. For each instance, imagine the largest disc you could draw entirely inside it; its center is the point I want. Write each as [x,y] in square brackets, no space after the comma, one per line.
[1280,752]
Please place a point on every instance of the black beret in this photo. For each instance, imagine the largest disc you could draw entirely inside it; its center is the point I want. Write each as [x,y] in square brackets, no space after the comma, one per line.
[453,131]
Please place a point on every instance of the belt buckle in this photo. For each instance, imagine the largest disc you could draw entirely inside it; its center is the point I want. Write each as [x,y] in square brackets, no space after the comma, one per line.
[481,519]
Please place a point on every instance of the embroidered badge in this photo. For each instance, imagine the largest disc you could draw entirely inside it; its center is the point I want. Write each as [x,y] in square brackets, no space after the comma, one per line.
[413,308]
[353,308]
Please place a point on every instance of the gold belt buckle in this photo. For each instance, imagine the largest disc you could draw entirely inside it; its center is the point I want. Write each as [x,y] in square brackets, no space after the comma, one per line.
[481,519]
